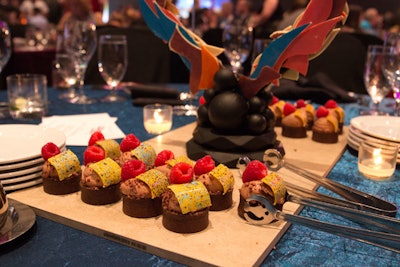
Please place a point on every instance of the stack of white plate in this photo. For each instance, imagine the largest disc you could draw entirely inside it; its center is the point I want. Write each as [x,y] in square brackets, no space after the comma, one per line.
[380,130]
[20,153]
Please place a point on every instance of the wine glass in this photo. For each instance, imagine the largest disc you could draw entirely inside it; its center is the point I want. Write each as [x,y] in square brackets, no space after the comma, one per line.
[392,66]
[5,53]
[376,82]
[5,44]
[80,42]
[237,41]
[112,63]
[65,66]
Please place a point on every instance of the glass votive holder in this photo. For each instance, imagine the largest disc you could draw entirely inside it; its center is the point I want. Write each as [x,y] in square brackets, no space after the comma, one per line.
[157,118]
[377,161]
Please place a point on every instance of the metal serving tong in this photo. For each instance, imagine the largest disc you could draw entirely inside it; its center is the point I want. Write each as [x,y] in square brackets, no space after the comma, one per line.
[355,199]
[264,213]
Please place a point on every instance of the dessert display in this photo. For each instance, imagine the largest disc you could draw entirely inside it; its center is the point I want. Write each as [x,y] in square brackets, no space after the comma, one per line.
[309,111]
[166,161]
[277,108]
[336,111]
[142,190]
[326,127]
[109,146]
[186,202]
[100,182]
[294,122]
[132,148]
[218,180]
[258,181]
[234,118]
[61,171]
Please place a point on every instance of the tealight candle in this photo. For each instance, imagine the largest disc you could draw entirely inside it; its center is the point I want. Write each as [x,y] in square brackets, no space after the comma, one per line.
[157,118]
[377,161]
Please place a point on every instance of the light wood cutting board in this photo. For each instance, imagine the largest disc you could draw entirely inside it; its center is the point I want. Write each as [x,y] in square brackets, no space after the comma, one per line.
[228,241]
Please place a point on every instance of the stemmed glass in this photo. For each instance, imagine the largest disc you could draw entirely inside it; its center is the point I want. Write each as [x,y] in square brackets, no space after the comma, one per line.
[237,41]
[65,66]
[80,42]
[392,66]
[112,63]
[5,44]
[5,53]
[376,83]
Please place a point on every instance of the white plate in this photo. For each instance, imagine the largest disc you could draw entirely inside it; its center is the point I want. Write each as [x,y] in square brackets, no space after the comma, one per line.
[22,164]
[22,185]
[21,178]
[384,127]
[20,142]
[21,172]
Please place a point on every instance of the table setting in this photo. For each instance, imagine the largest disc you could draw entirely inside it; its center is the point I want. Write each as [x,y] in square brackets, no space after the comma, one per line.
[340,207]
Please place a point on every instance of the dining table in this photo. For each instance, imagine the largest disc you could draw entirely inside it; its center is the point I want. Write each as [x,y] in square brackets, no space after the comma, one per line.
[52,243]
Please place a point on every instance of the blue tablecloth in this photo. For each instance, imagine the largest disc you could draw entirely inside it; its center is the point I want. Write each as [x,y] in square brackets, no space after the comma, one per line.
[52,244]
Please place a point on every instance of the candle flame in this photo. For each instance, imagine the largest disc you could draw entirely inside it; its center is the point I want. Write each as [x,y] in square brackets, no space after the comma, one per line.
[158,117]
[377,156]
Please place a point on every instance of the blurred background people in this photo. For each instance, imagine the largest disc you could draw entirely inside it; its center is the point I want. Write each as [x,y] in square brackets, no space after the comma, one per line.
[372,22]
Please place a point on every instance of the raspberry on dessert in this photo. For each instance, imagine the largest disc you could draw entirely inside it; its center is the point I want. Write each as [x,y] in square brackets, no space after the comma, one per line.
[181,173]
[162,157]
[300,103]
[322,112]
[288,109]
[255,170]
[204,165]
[132,168]
[49,150]
[331,104]
[96,136]
[93,154]
[129,143]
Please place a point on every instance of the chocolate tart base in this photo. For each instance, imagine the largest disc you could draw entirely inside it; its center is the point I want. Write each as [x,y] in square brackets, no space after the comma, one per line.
[221,202]
[185,223]
[100,196]
[294,132]
[66,186]
[327,138]
[141,208]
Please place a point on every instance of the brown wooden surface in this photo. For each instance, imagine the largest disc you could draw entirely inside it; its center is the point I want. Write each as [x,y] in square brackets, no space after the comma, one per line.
[228,240]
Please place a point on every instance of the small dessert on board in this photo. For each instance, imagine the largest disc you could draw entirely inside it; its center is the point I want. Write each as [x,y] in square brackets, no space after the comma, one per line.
[326,127]
[61,171]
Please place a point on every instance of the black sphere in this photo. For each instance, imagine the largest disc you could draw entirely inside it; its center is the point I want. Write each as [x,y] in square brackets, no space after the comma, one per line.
[256,123]
[209,94]
[266,95]
[270,117]
[225,80]
[256,104]
[227,110]
[202,115]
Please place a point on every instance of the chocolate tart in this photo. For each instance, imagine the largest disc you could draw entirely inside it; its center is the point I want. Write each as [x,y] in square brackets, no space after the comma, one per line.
[294,132]
[327,138]
[185,223]
[221,202]
[141,207]
[100,196]
[66,186]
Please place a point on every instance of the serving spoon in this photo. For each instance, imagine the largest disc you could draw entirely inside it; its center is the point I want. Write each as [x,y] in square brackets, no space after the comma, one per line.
[264,213]
[355,199]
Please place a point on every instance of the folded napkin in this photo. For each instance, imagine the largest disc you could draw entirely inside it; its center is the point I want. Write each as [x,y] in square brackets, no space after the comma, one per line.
[151,91]
[319,88]
[79,128]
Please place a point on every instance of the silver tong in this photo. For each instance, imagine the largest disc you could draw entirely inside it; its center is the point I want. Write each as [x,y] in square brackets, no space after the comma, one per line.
[354,199]
[366,210]
[264,213]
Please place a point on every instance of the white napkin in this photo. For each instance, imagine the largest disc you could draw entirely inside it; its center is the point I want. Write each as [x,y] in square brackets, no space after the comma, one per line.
[78,128]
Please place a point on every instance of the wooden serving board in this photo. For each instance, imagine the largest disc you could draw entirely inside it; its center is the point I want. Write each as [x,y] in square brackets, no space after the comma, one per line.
[228,241]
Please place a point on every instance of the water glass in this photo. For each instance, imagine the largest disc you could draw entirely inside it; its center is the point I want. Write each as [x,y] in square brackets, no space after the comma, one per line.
[157,118]
[377,161]
[27,96]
